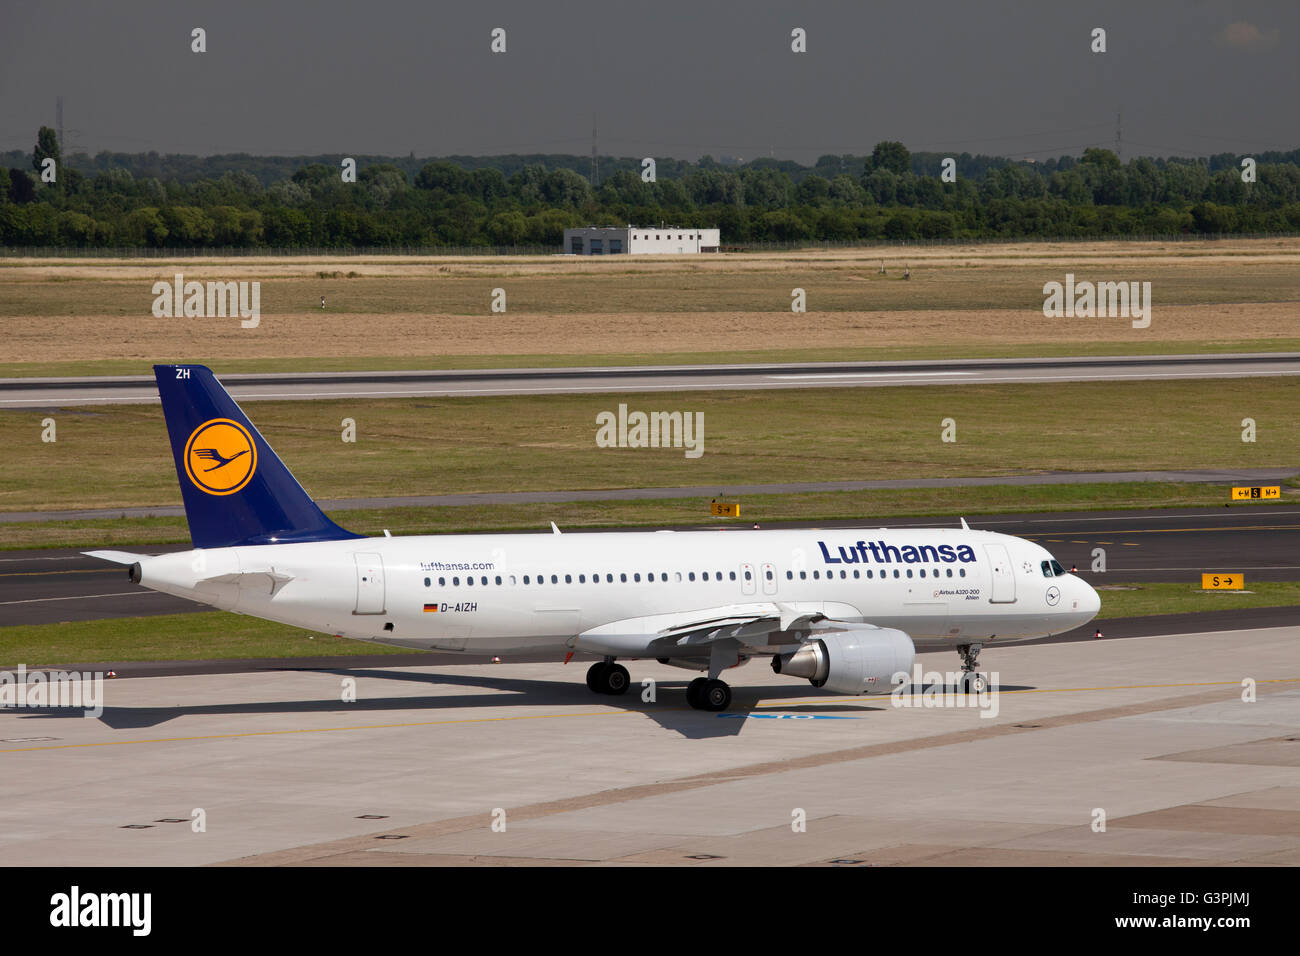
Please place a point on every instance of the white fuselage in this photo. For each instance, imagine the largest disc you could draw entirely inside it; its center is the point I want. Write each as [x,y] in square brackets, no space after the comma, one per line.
[502,593]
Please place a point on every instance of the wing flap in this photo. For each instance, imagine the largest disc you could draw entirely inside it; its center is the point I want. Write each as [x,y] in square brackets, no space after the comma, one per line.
[693,632]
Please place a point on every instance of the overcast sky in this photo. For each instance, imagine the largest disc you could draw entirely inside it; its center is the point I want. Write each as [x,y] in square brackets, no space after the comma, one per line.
[664,77]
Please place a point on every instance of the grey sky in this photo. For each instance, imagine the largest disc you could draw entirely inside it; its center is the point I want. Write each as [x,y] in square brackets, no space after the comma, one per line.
[666,78]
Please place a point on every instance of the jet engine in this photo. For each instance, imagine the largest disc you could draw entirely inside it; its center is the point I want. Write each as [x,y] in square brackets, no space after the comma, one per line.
[850,659]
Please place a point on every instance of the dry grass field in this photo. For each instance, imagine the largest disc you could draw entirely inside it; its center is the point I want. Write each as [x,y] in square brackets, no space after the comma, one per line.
[87,316]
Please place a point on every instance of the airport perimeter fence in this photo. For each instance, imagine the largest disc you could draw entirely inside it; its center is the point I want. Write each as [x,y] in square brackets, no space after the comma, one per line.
[219,252]
[216,252]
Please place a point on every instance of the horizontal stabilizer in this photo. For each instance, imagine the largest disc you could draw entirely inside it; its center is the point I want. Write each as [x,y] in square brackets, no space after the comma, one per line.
[117,557]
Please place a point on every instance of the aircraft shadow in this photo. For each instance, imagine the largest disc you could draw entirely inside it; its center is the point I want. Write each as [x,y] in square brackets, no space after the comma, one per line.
[670,709]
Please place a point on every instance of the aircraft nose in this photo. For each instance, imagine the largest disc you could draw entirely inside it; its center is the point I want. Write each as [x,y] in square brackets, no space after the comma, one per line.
[1089,600]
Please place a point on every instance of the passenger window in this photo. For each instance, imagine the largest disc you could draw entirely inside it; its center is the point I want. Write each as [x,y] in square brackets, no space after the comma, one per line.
[455,582]
[690,576]
[568,579]
[555,579]
[789,575]
[636,576]
[498,579]
[623,577]
[442,582]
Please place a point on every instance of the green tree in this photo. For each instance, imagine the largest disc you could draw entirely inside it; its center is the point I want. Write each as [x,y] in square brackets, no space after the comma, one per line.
[891,156]
[47,146]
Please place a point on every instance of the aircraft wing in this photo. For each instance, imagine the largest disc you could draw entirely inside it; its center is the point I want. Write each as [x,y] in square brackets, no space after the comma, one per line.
[692,633]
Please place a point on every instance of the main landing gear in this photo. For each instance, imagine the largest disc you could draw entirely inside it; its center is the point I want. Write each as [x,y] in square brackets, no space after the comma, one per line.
[971,680]
[704,693]
[606,677]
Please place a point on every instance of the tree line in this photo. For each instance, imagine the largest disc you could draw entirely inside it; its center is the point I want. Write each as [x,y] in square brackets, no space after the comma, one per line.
[149,200]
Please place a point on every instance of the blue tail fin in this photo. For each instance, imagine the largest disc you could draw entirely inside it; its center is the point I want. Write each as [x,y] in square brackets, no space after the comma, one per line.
[236,490]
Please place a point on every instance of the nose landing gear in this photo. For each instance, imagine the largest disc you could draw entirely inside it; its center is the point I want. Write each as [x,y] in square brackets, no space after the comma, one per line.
[971,681]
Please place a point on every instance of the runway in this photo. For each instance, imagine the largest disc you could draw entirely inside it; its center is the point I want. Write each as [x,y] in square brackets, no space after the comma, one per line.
[520,763]
[1221,476]
[141,389]
[46,586]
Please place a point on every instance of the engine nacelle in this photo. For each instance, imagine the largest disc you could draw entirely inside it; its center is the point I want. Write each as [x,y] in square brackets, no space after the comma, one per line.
[854,660]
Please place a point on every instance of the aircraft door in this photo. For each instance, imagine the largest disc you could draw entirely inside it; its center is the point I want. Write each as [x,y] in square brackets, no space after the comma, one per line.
[370,584]
[1004,579]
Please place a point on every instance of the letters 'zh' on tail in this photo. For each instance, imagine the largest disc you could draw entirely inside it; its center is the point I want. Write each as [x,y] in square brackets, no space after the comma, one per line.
[236,489]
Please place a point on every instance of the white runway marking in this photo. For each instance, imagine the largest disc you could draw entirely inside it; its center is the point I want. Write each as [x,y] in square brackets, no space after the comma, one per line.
[78,597]
[868,375]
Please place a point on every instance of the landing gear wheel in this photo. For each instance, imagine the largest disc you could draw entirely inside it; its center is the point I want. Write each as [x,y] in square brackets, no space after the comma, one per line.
[715,696]
[972,682]
[614,680]
[596,677]
[695,692]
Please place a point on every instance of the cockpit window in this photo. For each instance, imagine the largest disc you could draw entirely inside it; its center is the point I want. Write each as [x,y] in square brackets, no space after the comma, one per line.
[1047,569]
[1052,568]
[1056,566]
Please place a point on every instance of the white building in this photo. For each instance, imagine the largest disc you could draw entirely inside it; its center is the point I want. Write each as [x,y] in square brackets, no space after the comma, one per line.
[639,240]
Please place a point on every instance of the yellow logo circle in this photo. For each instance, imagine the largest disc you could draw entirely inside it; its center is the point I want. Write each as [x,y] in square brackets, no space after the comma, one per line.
[220,457]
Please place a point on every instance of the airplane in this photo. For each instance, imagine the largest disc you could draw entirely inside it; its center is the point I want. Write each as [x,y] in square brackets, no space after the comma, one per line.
[846,610]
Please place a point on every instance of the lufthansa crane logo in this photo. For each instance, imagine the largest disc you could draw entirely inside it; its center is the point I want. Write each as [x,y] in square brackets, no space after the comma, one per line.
[220,456]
